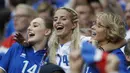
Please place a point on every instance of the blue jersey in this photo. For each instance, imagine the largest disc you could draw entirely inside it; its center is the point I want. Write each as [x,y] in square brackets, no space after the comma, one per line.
[91,68]
[123,62]
[19,59]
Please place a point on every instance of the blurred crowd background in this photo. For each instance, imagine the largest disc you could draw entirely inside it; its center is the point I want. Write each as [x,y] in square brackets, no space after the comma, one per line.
[86,9]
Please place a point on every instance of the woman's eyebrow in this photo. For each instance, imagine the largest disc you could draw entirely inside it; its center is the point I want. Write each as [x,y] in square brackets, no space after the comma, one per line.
[35,23]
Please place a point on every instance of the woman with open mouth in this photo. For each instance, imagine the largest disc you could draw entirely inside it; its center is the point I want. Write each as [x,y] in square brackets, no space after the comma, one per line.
[65,38]
[21,59]
[109,33]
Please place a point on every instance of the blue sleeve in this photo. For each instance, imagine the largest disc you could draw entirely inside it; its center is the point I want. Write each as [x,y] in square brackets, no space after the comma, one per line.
[5,61]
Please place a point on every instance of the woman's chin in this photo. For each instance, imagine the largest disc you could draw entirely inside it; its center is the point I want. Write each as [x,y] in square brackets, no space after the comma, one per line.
[30,41]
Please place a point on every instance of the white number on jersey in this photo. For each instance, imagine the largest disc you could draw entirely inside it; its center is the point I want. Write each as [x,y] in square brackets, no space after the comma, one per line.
[30,70]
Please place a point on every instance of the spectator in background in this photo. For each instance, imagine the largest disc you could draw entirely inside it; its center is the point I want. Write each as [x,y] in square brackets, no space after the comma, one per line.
[96,6]
[22,18]
[9,28]
[45,10]
[86,15]
[127,19]
[112,6]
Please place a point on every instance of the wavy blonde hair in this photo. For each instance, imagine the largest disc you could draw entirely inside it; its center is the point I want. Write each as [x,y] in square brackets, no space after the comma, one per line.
[115,26]
[75,38]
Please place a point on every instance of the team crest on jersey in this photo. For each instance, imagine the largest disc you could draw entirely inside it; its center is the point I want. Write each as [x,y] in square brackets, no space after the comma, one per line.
[23,55]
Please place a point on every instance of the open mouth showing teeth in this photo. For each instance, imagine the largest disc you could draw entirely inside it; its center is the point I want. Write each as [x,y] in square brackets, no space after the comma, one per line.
[31,34]
[59,28]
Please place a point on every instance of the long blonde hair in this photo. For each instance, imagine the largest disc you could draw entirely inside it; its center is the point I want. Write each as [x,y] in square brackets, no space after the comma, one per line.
[75,38]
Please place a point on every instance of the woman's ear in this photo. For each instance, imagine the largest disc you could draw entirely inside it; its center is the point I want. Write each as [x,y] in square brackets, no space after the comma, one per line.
[74,26]
[47,32]
[75,23]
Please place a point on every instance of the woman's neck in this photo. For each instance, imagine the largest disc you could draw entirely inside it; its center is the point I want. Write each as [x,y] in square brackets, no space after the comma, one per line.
[109,46]
[102,43]
[40,45]
[64,39]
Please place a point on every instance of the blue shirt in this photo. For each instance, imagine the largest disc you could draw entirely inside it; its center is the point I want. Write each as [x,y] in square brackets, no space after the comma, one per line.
[123,62]
[122,66]
[19,59]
